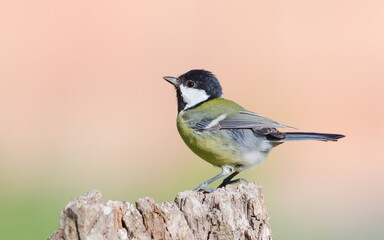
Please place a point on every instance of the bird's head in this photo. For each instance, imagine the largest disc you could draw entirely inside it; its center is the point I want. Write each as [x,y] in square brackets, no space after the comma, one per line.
[195,87]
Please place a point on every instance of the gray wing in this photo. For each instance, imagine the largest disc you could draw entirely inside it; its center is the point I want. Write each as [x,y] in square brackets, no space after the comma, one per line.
[249,120]
[239,120]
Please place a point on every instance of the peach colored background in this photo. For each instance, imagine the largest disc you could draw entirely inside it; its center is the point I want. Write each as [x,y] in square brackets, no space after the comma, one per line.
[83,104]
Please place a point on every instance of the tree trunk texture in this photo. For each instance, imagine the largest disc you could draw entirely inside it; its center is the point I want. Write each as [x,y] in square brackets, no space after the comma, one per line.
[233,212]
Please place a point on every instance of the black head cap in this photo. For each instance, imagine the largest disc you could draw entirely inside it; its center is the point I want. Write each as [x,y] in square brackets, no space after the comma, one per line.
[203,80]
[195,80]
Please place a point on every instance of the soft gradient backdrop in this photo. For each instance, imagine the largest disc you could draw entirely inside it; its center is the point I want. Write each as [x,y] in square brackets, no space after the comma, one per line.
[83,105]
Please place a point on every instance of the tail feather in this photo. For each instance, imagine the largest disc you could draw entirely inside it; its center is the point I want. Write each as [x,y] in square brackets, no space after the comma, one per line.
[300,136]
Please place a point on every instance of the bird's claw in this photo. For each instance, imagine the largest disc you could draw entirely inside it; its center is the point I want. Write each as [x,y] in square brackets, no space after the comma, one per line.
[204,189]
[225,183]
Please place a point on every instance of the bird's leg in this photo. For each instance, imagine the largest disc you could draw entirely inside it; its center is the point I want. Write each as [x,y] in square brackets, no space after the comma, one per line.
[225,171]
[228,180]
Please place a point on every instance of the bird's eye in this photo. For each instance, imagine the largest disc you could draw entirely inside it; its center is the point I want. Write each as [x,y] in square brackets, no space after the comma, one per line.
[190,84]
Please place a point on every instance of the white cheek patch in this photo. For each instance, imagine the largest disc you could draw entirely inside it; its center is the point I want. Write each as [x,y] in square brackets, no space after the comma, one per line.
[192,96]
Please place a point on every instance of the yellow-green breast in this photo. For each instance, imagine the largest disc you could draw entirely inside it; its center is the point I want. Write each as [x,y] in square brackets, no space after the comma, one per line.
[214,146]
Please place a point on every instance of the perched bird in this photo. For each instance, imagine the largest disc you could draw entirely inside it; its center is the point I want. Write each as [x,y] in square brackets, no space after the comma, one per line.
[222,132]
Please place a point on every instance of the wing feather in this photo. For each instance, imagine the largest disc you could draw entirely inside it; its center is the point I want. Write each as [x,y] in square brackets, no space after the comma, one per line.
[239,120]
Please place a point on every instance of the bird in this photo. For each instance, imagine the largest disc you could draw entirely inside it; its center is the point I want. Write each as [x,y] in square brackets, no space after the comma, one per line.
[222,132]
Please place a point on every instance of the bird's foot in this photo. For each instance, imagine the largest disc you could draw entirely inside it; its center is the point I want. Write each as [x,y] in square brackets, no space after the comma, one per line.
[225,183]
[204,189]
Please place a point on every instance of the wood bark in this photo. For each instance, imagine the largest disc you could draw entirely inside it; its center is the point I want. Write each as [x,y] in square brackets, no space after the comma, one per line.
[233,212]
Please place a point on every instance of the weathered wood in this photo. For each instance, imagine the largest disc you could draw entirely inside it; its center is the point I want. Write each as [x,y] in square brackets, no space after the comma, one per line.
[234,212]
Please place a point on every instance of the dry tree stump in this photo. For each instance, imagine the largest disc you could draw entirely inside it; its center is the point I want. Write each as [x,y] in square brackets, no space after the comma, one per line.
[233,212]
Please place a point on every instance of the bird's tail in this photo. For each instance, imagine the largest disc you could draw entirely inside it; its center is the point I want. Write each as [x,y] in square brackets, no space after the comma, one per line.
[300,136]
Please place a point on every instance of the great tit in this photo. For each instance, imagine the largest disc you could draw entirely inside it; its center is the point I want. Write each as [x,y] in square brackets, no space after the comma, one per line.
[222,132]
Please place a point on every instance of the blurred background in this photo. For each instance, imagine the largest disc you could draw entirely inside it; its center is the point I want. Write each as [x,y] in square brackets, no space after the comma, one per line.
[83,106]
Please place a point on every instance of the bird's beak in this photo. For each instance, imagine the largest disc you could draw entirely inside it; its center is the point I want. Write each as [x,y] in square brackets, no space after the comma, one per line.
[173,80]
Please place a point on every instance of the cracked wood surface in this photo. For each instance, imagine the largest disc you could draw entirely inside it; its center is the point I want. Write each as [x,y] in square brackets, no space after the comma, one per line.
[233,212]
